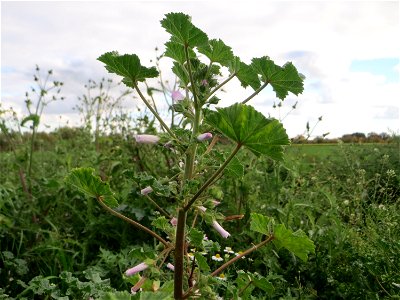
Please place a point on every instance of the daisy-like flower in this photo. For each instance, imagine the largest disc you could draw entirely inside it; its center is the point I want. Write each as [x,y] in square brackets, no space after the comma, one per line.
[204,136]
[225,234]
[177,96]
[221,277]
[136,269]
[217,257]
[146,190]
[146,139]
[228,250]
[190,255]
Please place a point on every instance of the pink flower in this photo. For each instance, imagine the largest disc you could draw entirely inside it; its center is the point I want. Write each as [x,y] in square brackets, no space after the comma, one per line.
[220,230]
[171,266]
[146,138]
[136,269]
[146,190]
[202,208]
[215,202]
[177,96]
[174,221]
[204,136]
[204,82]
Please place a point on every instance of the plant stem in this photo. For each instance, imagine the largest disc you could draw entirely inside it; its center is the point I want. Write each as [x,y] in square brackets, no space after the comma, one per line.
[219,86]
[211,179]
[158,207]
[165,126]
[179,254]
[189,68]
[247,252]
[255,93]
[130,221]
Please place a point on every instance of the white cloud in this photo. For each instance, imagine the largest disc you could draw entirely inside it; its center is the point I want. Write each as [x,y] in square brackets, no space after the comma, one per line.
[320,38]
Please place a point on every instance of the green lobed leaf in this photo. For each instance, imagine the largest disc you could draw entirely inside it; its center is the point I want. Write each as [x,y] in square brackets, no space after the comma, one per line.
[183,31]
[260,223]
[246,75]
[179,71]
[32,117]
[127,66]
[246,126]
[202,262]
[218,52]
[235,168]
[282,79]
[83,180]
[196,238]
[296,242]
[176,51]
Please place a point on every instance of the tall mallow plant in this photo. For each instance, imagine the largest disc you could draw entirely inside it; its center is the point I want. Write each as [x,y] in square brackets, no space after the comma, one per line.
[197,63]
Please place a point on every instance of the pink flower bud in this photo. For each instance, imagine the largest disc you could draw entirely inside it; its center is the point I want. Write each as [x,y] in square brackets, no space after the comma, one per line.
[146,190]
[171,266]
[204,82]
[204,136]
[220,230]
[136,269]
[215,202]
[177,96]
[146,138]
[174,221]
[202,208]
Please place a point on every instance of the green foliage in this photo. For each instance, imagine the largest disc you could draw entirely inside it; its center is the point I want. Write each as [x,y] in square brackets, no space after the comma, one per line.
[86,182]
[283,79]
[248,127]
[183,31]
[218,52]
[32,117]
[246,75]
[127,66]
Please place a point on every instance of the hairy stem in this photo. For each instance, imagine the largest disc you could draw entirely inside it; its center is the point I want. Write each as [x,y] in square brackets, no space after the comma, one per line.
[236,258]
[219,86]
[165,126]
[255,93]
[212,178]
[132,222]
[179,255]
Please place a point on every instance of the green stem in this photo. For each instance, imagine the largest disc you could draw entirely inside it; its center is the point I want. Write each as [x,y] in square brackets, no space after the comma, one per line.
[255,93]
[213,177]
[130,221]
[196,103]
[179,254]
[165,126]
[158,207]
[219,86]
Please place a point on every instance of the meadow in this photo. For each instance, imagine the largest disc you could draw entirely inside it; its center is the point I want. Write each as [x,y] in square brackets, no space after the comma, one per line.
[58,244]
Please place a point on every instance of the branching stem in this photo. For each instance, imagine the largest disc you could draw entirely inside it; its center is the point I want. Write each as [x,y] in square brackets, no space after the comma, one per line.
[255,93]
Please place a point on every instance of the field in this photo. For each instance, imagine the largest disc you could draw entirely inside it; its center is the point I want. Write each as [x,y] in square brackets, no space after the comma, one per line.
[58,244]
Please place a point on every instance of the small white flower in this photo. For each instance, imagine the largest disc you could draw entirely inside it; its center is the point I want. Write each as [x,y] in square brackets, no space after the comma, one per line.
[221,277]
[190,255]
[228,250]
[171,266]
[240,253]
[217,257]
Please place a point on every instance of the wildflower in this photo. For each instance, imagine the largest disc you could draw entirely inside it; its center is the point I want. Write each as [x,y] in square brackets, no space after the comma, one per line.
[174,221]
[171,266]
[177,96]
[146,138]
[221,230]
[190,255]
[221,277]
[204,82]
[228,250]
[136,269]
[202,208]
[217,257]
[215,202]
[146,190]
[204,136]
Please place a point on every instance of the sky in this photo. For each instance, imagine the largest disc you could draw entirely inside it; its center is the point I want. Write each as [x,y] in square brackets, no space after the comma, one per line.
[348,50]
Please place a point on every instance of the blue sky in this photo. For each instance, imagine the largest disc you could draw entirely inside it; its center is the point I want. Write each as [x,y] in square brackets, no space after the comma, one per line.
[348,51]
